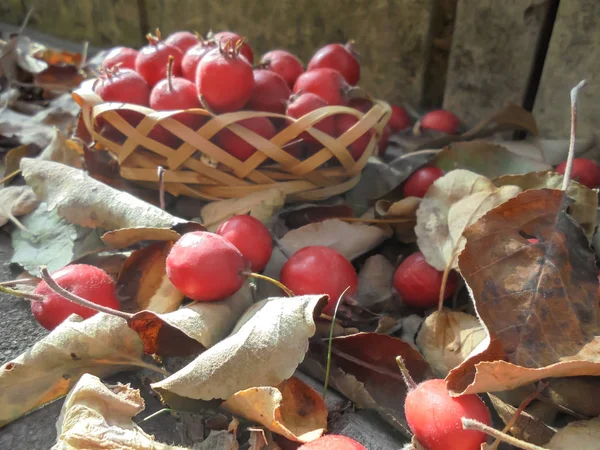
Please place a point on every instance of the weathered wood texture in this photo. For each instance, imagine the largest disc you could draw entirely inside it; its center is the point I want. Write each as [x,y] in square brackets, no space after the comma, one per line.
[573,55]
[492,54]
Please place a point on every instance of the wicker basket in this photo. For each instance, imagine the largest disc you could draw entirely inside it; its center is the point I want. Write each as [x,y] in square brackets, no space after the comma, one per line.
[199,168]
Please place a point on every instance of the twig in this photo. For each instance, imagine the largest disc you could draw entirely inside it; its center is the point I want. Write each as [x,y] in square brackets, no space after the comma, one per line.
[472,424]
[79,300]
[330,342]
[161,186]
[574,94]
[154,414]
[279,284]
[28,281]
[410,383]
[27,17]
[24,295]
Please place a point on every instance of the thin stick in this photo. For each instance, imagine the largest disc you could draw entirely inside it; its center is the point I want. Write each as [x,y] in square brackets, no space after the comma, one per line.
[330,343]
[410,383]
[161,186]
[361,220]
[77,299]
[10,175]
[574,94]
[20,294]
[524,404]
[28,281]
[153,415]
[471,424]
[170,72]
[280,285]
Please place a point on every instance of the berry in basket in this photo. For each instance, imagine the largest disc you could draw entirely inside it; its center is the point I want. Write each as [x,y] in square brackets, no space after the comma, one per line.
[339,57]
[288,66]
[153,59]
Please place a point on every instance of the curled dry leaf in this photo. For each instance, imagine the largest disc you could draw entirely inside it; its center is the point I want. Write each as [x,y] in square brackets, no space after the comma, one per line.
[62,150]
[292,409]
[264,349]
[101,345]
[96,417]
[405,212]
[13,157]
[364,369]
[298,216]
[193,328]
[143,281]
[375,281]
[538,301]
[16,201]
[578,394]
[526,427]
[486,158]
[262,205]
[585,200]
[446,339]
[82,200]
[580,434]
[452,203]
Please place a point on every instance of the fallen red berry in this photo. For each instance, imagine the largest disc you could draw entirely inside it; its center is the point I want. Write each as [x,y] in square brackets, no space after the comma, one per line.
[441,120]
[419,284]
[584,171]
[205,266]
[434,417]
[88,282]
[337,57]
[288,66]
[418,183]
[333,442]
[399,120]
[319,270]
[251,237]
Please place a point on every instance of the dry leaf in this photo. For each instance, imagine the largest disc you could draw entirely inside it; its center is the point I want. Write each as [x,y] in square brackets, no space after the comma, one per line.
[61,150]
[143,282]
[526,427]
[14,156]
[452,203]
[98,417]
[298,216]
[586,200]
[579,394]
[404,210]
[101,345]
[54,57]
[364,369]
[486,158]
[375,281]
[550,151]
[126,237]
[538,301]
[582,434]
[16,201]
[191,329]
[262,205]
[447,338]
[82,200]
[292,409]
[264,349]
[218,440]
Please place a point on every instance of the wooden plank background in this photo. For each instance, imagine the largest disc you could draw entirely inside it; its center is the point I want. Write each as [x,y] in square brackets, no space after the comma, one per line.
[469,56]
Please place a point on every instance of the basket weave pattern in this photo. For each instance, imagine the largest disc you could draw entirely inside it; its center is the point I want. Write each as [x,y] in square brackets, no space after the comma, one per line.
[200,168]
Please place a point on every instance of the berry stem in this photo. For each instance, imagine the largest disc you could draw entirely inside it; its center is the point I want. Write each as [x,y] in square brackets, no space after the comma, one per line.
[574,94]
[330,342]
[170,72]
[472,424]
[79,300]
[410,383]
[20,294]
[29,281]
[161,186]
[279,284]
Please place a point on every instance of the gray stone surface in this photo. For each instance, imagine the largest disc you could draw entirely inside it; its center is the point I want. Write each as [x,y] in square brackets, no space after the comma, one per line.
[491,55]
[573,54]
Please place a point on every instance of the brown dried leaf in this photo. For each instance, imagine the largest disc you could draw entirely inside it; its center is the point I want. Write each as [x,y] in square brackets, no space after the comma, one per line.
[538,301]
[364,369]
[59,78]
[452,203]
[578,394]
[218,440]
[375,281]
[585,203]
[404,210]
[54,57]
[16,201]
[264,349]
[97,417]
[62,150]
[101,345]
[143,282]
[299,216]
[191,329]
[583,434]
[292,409]
[526,427]
[14,156]
[447,338]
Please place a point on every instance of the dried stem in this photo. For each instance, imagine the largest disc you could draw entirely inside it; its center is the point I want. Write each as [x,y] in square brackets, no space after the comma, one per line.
[20,294]
[330,342]
[280,285]
[574,94]
[77,299]
[170,72]
[28,281]
[410,383]
[472,424]
[160,170]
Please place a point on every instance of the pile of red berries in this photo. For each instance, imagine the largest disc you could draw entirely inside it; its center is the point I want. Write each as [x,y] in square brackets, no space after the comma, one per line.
[186,71]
